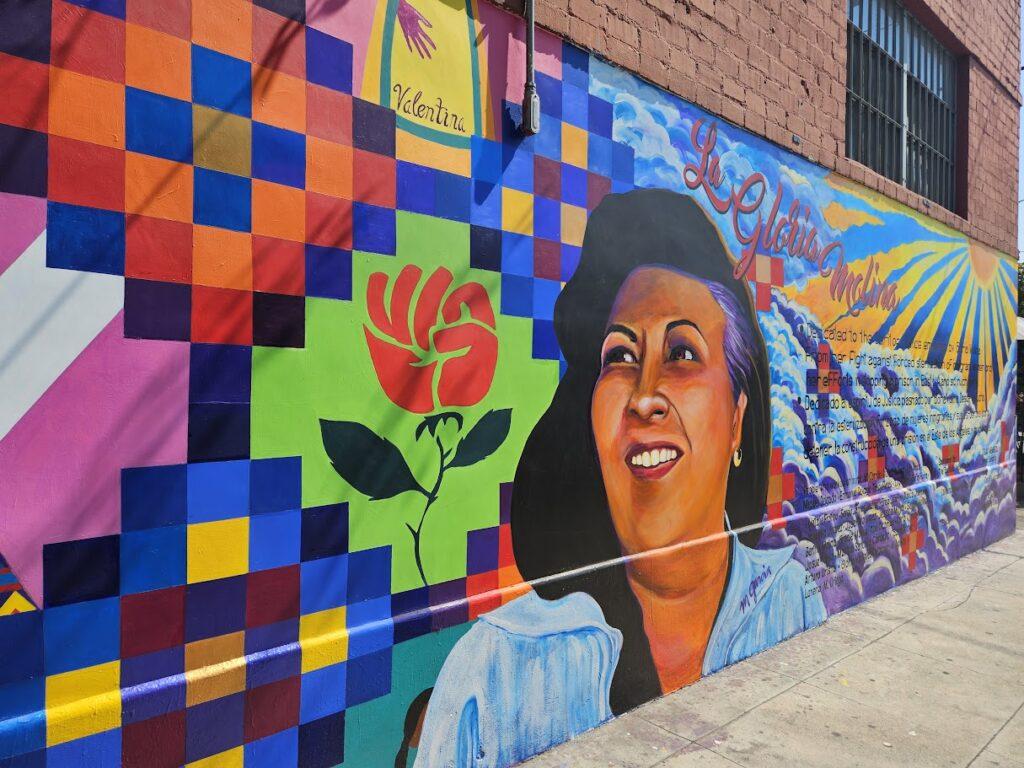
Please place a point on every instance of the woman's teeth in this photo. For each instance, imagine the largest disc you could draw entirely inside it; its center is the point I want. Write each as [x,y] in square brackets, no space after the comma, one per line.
[654,458]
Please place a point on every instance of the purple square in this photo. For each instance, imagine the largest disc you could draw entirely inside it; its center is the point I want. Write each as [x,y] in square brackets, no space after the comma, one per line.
[214,608]
[214,726]
[273,653]
[24,153]
[328,61]
[25,32]
[597,187]
[152,684]
[505,503]
[547,259]
[155,310]
[547,178]
[482,551]
[373,128]
[448,604]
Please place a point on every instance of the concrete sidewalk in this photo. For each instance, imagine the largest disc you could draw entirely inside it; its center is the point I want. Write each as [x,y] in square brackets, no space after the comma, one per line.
[929,674]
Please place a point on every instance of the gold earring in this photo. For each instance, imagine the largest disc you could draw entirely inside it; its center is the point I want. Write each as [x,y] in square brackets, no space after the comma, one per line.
[737,458]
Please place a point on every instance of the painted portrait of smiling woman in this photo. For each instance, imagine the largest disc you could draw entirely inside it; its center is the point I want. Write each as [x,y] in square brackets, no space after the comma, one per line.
[638,501]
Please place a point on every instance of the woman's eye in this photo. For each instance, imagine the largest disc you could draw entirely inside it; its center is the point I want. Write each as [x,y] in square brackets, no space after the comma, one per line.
[619,355]
[681,352]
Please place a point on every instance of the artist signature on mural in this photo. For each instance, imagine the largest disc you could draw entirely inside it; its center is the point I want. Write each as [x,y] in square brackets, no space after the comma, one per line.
[791,234]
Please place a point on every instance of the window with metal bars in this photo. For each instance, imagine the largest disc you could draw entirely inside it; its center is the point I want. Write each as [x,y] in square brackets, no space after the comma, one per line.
[900,99]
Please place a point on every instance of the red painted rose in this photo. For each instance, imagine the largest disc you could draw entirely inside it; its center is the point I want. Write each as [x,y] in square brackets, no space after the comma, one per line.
[440,353]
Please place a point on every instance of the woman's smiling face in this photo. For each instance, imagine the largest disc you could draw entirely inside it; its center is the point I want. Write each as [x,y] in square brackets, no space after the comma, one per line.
[664,418]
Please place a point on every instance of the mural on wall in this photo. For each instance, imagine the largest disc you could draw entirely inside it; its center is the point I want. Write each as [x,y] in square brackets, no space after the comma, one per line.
[345,425]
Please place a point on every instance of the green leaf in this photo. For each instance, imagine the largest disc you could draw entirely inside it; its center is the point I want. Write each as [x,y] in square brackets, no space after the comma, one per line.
[484,438]
[369,463]
[431,422]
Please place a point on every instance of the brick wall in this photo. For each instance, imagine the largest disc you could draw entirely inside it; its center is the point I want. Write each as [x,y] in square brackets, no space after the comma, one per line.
[778,68]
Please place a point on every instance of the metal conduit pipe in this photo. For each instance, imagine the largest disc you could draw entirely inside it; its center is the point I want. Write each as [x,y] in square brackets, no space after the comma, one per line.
[531,101]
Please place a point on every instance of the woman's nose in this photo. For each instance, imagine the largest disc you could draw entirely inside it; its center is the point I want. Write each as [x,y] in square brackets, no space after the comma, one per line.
[648,404]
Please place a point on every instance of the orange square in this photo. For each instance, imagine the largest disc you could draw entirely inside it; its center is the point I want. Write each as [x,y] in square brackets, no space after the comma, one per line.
[23,87]
[278,99]
[157,62]
[158,188]
[223,25]
[278,211]
[214,667]
[221,315]
[86,108]
[328,168]
[221,258]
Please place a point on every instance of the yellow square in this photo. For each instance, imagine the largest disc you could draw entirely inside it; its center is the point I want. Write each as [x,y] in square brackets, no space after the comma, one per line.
[574,145]
[574,224]
[214,667]
[323,638]
[233,758]
[217,550]
[83,702]
[221,141]
[516,211]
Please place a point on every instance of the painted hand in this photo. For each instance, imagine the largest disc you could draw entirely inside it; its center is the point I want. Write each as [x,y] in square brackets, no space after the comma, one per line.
[414,27]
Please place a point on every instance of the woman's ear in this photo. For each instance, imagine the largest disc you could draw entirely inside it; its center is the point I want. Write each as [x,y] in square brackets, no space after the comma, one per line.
[737,421]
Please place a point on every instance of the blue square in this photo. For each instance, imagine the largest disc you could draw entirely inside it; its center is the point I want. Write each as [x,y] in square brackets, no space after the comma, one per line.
[370,627]
[328,272]
[516,254]
[214,726]
[84,239]
[369,677]
[85,569]
[599,155]
[550,92]
[570,260]
[221,82]
[273,751]
[219,373]
[599,119]
[100,750]
[152,497]
[222,200]
[453,193]
[153,684]
[214,608]
[278,155]
[574,185]
[545,343]
[66,646]
[324,583]
[218,490]
[547,218]
[218,431]
[516,295]
[323,693]
[276,485]
[486,159]
[575,66]
[328,61]
[622,162]
[322,742]
[369,574]
[485,204]
[575,103]
[373,228]
[518,173]
[158,125]
[411,612]
[152,559]
[415,188]
[548,142]
[22,717]
[325,531]
[273,653]
[618,187]
[115,8]
[23,631]
[274,540]
[545,293]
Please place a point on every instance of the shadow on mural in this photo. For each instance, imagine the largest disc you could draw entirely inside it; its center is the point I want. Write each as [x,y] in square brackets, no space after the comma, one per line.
[345,425]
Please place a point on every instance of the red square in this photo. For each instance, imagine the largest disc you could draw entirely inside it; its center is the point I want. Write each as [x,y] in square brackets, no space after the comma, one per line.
[764,297]
[328,221]
[373,178]
[24,89]
[788,486]
[221,315]
[482,594]
[328,114]
[278,266]
[158,249]
[171,16]
[505,555]
[775,516]
[158,742]
[272,596]
[547,259]
[598,188]
[776,461]
[152,621]
[778,271]
[87,174]
[271,708]
[87,42]
[278,43]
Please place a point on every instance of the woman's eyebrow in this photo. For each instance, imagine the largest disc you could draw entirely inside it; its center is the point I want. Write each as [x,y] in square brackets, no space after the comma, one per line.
[677,323]
[615,327]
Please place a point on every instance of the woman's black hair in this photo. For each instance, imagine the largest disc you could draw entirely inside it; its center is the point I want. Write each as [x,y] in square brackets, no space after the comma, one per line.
[560,518]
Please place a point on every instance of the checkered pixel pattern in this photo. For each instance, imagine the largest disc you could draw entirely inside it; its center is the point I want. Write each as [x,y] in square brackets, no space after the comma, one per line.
[951,457]
[781,488]
[823,380]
